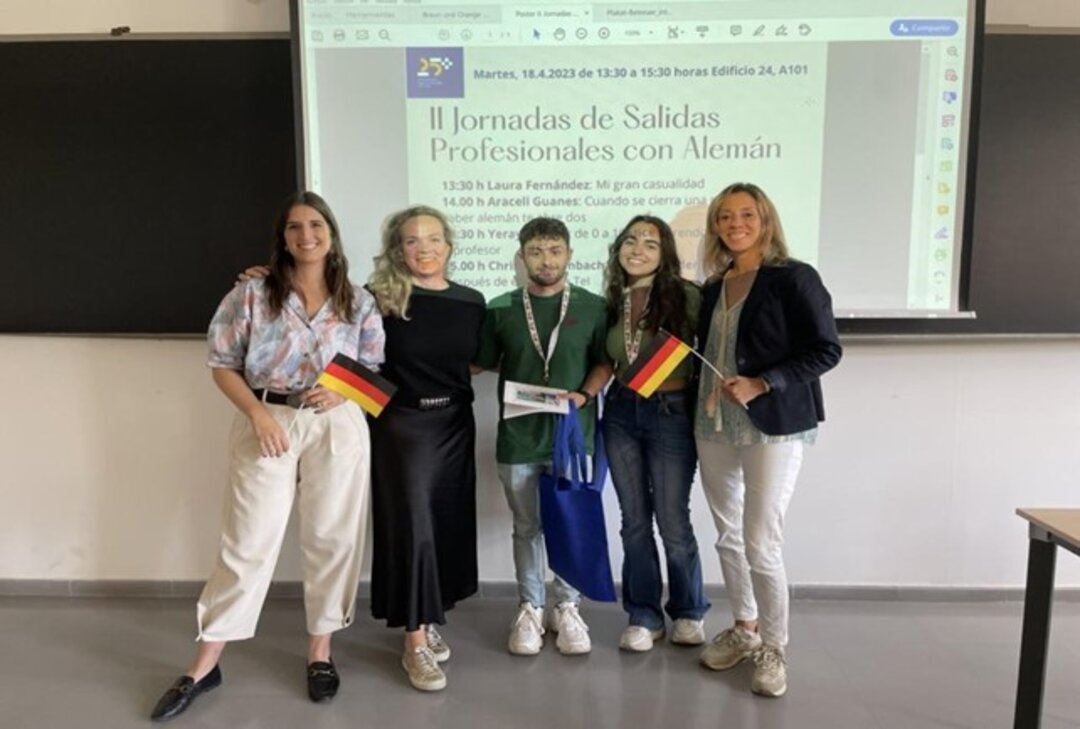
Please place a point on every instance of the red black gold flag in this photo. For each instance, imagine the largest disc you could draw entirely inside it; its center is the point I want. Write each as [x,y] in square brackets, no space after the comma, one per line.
[350,379]
[655,363]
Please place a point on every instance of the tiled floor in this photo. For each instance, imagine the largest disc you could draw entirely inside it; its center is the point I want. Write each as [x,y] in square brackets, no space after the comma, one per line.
[89,663]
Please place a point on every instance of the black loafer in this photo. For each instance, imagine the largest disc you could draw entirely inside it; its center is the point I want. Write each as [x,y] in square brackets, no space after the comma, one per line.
[322,681]
[181,694]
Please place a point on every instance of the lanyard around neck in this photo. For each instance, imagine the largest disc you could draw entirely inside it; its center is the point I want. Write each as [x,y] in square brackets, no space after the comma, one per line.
[534,333]
[631,334]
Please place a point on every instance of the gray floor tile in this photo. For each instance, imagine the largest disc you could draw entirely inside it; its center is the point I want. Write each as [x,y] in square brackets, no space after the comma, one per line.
[89,663]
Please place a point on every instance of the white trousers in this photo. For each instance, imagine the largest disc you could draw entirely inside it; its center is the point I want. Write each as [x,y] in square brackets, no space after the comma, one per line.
[327,470]
[748,489]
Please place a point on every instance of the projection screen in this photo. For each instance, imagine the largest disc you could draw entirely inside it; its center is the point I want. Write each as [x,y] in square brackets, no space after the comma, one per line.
[852,116]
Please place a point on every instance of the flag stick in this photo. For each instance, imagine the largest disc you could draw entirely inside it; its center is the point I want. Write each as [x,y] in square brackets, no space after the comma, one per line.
[707,363]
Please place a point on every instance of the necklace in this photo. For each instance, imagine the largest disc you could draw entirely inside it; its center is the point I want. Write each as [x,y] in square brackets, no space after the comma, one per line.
[732,273]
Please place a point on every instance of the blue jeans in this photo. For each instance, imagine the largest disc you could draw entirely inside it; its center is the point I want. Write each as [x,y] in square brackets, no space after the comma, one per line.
[521,483]
[652,457]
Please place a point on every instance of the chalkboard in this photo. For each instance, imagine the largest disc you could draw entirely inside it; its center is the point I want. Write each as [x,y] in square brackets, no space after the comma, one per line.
[137,178]
[1024,270]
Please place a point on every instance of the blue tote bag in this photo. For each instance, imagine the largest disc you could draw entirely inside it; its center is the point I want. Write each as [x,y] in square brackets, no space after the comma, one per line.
[572,511]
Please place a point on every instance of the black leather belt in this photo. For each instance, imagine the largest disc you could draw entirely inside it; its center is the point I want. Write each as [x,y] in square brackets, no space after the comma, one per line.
[278,398]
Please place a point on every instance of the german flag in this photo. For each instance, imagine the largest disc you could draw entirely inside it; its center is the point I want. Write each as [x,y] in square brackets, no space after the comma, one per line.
[350,379]
[655,363]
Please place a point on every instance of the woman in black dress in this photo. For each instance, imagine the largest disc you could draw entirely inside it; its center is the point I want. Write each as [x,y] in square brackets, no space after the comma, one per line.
[423,444]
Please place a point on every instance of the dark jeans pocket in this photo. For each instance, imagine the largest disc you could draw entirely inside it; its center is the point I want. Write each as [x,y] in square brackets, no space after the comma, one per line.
[675,403]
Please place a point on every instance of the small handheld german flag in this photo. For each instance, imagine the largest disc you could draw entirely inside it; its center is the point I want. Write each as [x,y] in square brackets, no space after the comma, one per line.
[350,379]
[655,363]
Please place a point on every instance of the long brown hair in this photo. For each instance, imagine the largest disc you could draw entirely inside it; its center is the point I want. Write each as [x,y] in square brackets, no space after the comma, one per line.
[774,248]
[282,264]
[666,307]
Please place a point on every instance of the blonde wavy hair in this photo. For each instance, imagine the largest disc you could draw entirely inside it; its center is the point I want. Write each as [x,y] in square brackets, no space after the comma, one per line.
[774,248]
[391,281]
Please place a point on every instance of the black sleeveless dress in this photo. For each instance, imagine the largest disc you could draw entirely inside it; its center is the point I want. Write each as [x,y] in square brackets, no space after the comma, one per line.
[424,461]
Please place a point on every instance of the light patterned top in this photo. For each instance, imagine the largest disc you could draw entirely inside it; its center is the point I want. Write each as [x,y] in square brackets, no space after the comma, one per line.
[727,422]
[286,353]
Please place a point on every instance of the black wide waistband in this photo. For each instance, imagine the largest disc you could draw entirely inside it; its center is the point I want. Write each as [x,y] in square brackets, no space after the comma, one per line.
[430,402]
[278,398]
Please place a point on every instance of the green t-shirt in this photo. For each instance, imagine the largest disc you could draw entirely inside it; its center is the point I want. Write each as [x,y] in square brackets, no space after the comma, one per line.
[505,344]
[616,337]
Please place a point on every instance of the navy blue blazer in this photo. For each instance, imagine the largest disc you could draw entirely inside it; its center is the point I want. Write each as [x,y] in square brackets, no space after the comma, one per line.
[787,334]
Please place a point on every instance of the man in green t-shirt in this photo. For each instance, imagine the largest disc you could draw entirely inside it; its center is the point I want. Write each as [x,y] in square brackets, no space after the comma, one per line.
[550,333]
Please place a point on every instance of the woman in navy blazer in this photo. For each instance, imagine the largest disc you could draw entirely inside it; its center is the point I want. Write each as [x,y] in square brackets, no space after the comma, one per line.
[767,326]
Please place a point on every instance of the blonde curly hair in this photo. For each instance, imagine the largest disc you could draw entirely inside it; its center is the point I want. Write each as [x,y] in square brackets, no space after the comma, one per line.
[391,281]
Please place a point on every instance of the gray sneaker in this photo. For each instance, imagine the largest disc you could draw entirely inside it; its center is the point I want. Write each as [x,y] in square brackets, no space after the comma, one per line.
[770,672]
[439,647]
[527,631]
[423,669]
[687,631]
[639,639]
[729,648]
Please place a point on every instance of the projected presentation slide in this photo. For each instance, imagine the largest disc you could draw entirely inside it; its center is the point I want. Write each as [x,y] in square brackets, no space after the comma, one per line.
[851,117]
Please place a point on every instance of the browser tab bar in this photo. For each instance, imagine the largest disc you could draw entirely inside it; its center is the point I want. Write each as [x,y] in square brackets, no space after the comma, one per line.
[458,14]
[549,13]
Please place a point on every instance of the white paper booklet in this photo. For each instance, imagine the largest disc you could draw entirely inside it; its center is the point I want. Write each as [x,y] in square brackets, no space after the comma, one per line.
[521,399]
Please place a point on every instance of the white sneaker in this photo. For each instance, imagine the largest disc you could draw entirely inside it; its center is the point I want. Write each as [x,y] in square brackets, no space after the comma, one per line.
[638,638]
[687,631]
[770,672]
[527,631]
[573,633]
[729,648]
[423,669]
[438,645]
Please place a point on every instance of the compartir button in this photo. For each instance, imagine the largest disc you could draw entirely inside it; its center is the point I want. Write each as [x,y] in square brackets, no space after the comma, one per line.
[905,27]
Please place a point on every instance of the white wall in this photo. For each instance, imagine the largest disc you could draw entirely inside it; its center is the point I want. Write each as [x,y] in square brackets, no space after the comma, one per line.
[114,456]
[1036,13]
[50,17]
[113,450]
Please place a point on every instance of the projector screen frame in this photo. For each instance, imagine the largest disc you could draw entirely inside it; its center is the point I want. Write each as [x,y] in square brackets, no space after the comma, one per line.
[964,322]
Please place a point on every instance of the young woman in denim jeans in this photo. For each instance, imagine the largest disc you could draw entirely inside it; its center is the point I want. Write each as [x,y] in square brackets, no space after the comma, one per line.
[650,441]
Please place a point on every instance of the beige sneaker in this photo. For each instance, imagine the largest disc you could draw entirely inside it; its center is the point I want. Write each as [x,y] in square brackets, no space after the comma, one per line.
[573,633]
[638,638]
[527,631]
[423,669]
[438,645]
[770,672]
[729,648]
[687,631]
